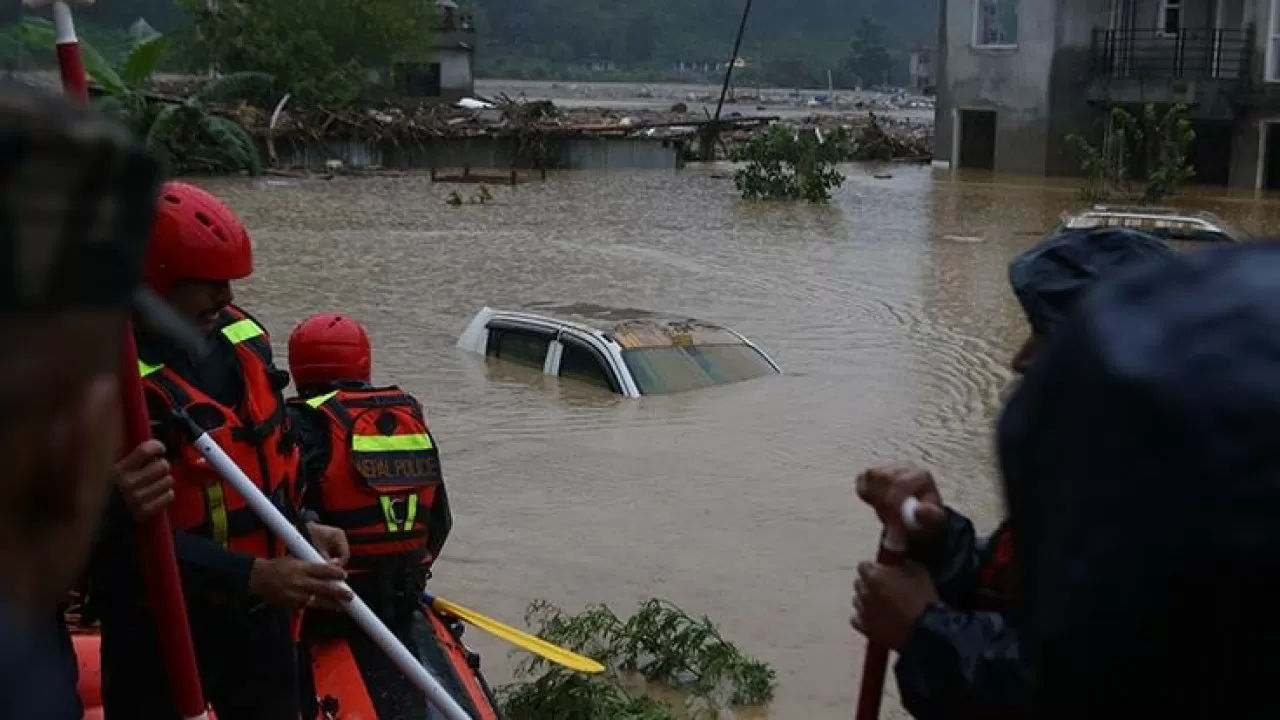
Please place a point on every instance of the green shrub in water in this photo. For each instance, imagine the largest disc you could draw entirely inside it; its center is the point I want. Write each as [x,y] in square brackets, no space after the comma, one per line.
[660,643]
[787,164]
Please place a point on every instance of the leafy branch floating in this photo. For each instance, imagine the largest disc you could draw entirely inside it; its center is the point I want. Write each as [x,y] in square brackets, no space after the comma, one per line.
[660,643]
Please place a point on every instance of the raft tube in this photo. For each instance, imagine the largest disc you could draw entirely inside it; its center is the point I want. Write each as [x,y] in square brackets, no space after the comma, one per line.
[339,687]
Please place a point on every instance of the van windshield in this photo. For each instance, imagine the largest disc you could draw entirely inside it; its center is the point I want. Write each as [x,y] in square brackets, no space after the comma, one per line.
[661,370]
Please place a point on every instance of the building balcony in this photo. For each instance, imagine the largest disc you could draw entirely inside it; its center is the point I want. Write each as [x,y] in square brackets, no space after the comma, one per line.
[1208,69]
[1208,54]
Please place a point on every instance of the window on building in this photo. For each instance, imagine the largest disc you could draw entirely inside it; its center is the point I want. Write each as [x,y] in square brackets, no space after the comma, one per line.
[1171,17]
[518,346]
[995,23]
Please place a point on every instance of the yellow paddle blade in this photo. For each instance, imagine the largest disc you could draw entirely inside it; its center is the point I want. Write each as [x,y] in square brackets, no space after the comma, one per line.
[519,638]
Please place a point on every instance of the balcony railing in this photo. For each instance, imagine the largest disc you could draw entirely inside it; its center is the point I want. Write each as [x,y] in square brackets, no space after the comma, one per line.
[1187,54]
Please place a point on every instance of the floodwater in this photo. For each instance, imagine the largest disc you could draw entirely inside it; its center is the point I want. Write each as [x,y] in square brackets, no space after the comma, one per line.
[888,311]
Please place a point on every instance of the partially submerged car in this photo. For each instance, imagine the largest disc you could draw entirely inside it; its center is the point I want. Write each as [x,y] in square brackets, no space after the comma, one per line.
[633,357]
[1164,223]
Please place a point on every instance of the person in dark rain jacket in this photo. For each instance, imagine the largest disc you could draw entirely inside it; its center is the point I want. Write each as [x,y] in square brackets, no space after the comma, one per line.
[951,613]
[1142,473]
[76,202]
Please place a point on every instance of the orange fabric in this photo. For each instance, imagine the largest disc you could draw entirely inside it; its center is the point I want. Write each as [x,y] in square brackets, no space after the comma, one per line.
[354,484]
[87,646]
[87,657]
[338,676]
[270,460]
[457,655]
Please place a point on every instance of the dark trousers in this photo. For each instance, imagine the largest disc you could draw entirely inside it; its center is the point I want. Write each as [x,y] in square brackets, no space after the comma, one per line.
[248,665]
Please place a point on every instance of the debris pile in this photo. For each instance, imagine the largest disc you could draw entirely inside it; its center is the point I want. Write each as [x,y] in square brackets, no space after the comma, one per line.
[880,130]
[878,140]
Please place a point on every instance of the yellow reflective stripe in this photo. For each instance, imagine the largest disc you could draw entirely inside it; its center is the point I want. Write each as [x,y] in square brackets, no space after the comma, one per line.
[316,402]
[241,330]
[145,369]
[389,514]
[412,514]
[393,443]
[217,513]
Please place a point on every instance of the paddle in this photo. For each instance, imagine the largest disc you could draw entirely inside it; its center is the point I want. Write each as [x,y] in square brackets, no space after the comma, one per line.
[155,537]
[519,638]
[893,550]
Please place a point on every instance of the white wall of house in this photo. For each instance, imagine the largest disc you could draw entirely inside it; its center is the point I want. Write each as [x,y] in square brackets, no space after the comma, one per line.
[455,69]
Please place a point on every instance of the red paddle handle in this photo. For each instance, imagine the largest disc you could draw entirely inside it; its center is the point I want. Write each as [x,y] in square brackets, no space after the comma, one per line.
[155,538]
[159,564]
[893,548]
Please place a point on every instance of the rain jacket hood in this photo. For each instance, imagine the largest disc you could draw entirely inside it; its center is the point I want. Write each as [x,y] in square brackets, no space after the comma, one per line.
[1141,462]
[1049,278]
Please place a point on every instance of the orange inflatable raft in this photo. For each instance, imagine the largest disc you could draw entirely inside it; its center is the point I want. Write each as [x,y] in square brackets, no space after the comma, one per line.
[338,682]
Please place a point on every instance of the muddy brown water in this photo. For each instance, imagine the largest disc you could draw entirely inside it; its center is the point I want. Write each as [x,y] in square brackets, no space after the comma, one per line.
[888,310]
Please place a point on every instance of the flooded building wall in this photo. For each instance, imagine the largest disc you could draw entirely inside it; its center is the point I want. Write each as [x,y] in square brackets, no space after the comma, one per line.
[1255,157]
[1005,71]
[1070,59]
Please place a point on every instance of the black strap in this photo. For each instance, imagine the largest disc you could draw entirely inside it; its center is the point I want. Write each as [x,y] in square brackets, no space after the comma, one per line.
[240,523]
[257,433]
[177,395]
[357,518]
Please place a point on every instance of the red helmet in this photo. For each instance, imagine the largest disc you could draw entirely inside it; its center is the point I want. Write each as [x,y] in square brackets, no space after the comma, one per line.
[195,237]
[327,348]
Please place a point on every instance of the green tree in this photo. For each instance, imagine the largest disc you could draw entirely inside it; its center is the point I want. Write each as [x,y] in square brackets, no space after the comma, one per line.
[868,58]
[784,164]
[322,51]
[187,133]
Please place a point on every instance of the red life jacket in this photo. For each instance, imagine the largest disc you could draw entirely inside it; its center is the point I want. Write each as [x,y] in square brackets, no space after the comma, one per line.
[252,433]
[997,574]
[383,472]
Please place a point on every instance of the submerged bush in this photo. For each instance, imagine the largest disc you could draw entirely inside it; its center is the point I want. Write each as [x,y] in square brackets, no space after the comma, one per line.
[786,164]
[660,643]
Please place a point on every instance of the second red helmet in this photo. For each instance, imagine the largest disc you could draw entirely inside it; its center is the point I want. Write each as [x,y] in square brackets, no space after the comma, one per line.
[328,348]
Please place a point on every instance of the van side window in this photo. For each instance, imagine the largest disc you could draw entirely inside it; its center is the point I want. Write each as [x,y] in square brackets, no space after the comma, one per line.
[580,363]
[518,346]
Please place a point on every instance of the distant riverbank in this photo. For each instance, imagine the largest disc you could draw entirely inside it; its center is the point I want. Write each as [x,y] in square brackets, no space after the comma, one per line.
[787,103]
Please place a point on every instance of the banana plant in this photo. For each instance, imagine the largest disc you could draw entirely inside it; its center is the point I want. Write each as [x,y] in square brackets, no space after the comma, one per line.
[187,131]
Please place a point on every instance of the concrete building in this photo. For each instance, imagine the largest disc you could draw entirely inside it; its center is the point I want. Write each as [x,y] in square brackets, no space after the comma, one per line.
[1016,76]
[444,69]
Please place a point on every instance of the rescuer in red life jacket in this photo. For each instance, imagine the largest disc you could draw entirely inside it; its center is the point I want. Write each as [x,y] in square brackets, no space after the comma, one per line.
[242,589]
[371,468]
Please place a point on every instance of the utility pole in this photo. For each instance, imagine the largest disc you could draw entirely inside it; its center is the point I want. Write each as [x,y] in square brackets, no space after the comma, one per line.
[711,131]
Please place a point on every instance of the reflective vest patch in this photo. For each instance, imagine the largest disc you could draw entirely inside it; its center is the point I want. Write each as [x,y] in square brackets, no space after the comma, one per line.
[383,472]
